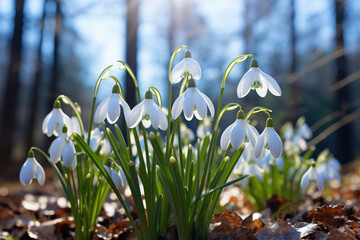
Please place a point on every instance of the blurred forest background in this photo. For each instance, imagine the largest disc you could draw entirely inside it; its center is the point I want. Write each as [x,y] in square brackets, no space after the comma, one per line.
[52,47]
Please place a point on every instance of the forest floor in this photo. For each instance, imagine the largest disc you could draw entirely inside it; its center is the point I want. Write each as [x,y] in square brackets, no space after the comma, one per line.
[35,212]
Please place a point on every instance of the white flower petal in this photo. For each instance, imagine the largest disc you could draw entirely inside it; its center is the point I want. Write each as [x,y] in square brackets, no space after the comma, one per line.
[259,146]
[261,91]
[237,135]
[200,104]
[319,180]
[101,110]
[163,120]
[136,115]
[74,163]
[154,114]
[53,121]
[245,83]
[27,172]
[178,105]
[56,148]
[208,103]
[305,180]
[177,72]
[116,178]
[251,133]
[273,86]
[193,68]
[46,123]
[113,111]
[225,137]
[189,104]
[40,173]
[68,154]
[75,124]
[279,162]
[146,123]
[127,110]
[275,143]
[66,120]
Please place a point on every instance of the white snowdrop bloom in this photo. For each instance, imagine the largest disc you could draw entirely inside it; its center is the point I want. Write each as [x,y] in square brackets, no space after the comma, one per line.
[238,132]
[299,142]
[118,178]
[95,139]
[68,155]
[269,139]
[255,170]
[241,167]
[149,113]
[106,148]
[57,146]
[55,120]
[334,163]
[192,102]
[265,160]
[256,79]
[187,66]
[327,172]
[109,108]
[312,176]
[304,131]
[279,162]
[30,170]
[75,125]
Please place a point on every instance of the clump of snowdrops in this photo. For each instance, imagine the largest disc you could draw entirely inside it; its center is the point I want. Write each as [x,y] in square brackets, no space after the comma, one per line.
[289,175]
[173,177]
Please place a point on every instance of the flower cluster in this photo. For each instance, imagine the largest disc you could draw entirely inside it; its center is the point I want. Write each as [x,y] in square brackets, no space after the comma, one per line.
[164,170]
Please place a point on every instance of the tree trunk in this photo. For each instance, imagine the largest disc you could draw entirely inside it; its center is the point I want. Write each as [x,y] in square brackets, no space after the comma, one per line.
[12,86]
[345,143]
[36,85]
[132,23]
[294,100]
[54,85]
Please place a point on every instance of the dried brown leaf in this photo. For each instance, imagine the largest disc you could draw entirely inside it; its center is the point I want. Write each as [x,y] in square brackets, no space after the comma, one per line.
[232,219]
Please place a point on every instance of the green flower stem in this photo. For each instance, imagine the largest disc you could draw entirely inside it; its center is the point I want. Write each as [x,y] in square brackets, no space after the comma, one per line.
[257,110]
[176,51]
[100,78]
[226,74]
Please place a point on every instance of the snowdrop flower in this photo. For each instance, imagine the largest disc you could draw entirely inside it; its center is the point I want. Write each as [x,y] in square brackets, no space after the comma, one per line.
[304,131]
[312,176]
[57,146]
[269,138]
[68,155]
[109,108]
[118,178]
[186,66]
[95,139]
[328,172]
[63,148]
[192,101]
[149,113]
[256,79]
[76,125]
[237,132]
[30,170]
[255,170]
[55,120]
